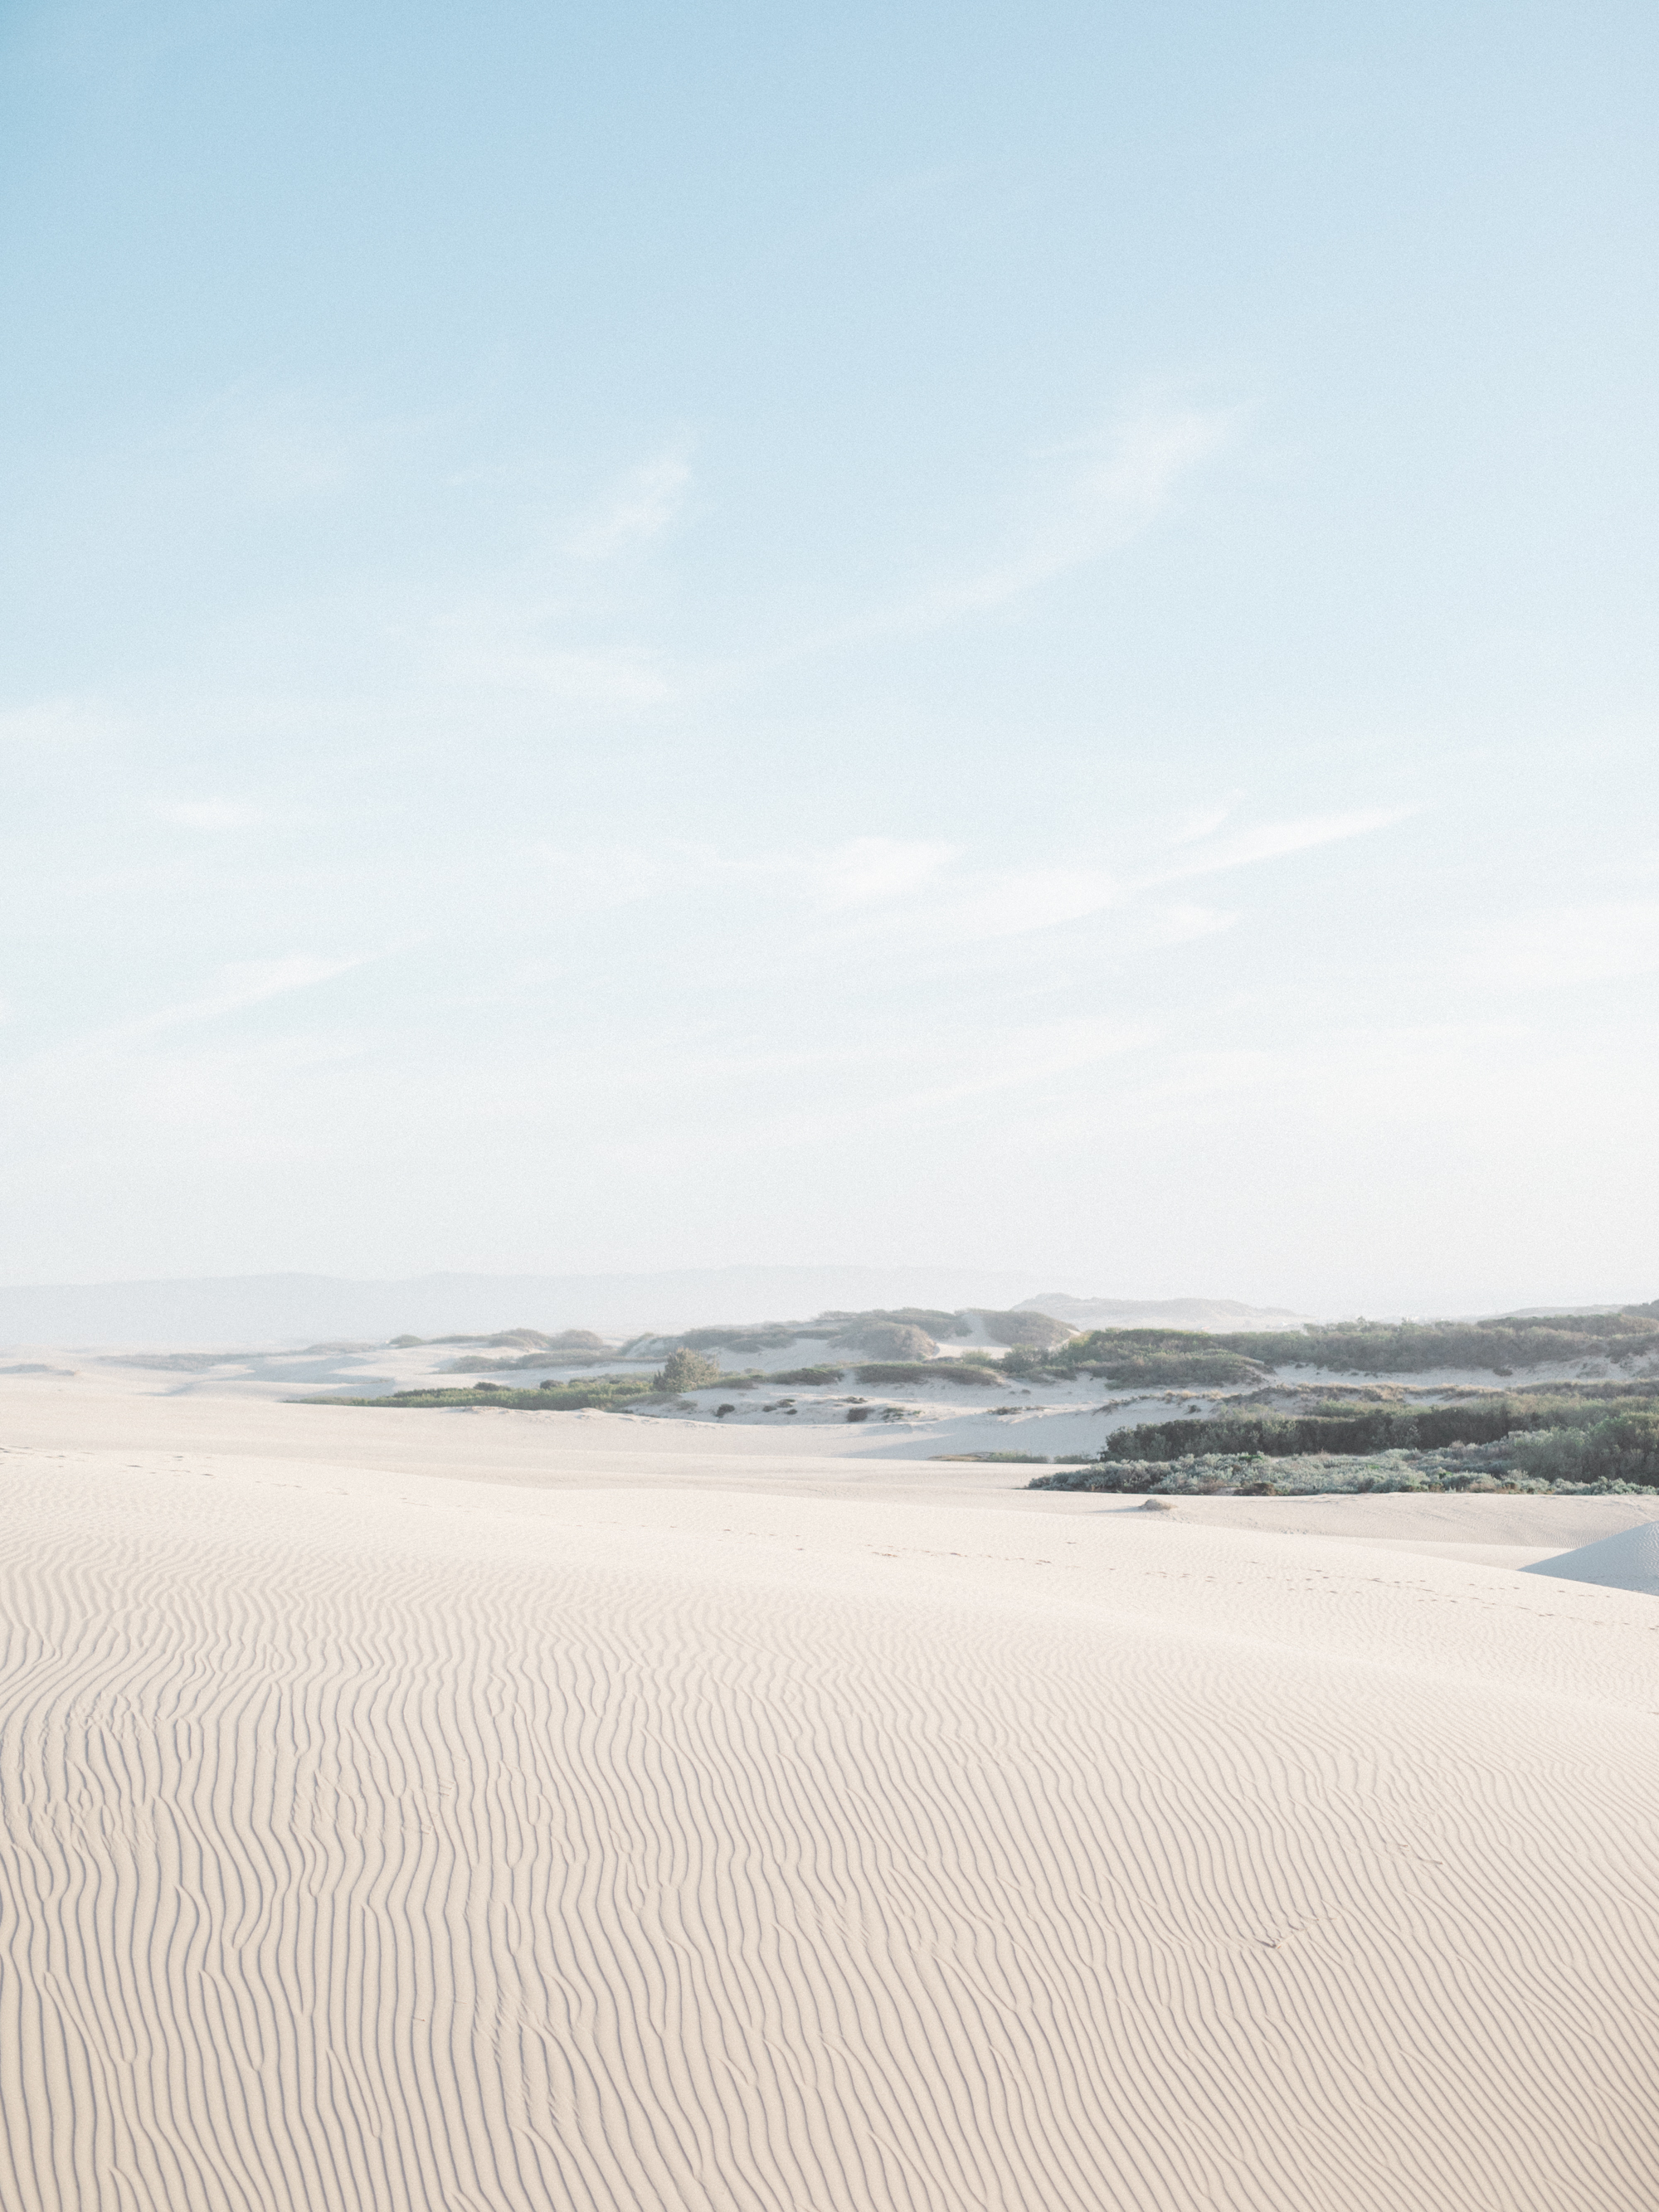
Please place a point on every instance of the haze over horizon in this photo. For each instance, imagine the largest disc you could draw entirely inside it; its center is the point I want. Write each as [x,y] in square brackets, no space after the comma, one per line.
[1013,640]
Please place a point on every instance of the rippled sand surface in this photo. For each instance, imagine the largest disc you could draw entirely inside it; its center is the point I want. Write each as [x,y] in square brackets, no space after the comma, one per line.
[375,1839]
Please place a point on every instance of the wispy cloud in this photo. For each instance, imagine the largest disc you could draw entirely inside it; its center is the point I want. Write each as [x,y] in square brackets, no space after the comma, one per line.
[531,629]
[1103,492]
[244,984]
[1015,1061]
[953,893]
[1591,944]
[53,724]
[114,1052]
[272,447]
[1211,853]
[940,894]
[638,511]
[504,645]
[206,814]
[874,871]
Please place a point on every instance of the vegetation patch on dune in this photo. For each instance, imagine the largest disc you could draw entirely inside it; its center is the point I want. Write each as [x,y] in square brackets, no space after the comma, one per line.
[1218,1475]
[601,1391]
[1186,1358]
[1357,1429]
[976,1374]
[1549,1444]
[1160,1369]
[686,1369]
[1037,1332]
[1016,1459]
[768,1336]
[593,1391]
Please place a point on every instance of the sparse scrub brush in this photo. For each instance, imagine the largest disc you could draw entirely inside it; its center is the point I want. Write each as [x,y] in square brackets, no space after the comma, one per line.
[1623,1449]
[686,1369]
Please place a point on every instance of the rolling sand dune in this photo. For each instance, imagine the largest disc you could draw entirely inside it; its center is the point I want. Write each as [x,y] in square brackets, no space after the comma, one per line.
[1629,1561]
[386,1839]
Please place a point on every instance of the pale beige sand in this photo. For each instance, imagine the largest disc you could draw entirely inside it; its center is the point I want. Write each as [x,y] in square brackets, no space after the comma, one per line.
[1628,1561]
[423,1810]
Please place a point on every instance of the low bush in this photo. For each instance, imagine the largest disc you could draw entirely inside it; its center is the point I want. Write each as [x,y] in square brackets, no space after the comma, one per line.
[687,1370]
[1031,1331]
[1500,1346]
[931,1320]
[1623,1447]
[552,1397]
[770,1337]
[1022,1360]
[1013,1458]
[1176,1370]
[1314,1475]
[936,1371]
[1360,1429]
[890,1340]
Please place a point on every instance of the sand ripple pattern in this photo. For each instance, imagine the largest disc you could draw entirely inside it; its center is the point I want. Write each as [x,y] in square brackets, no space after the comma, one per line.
[349,1866]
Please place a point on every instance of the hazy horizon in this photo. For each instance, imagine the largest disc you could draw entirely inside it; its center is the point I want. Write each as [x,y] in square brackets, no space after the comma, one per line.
[296,1309]
[1012,640]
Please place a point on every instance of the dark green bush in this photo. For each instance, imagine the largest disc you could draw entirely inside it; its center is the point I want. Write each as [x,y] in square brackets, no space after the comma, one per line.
[555,1397]
[687,1370]
[1126,1356]
[929,1319]
[1177,1371]
[1282,1436]
[1023,1360]
[1623,1447]
[890,1340]
[1035,1331]
[1359,1431]
[767,1338]
[1163,1358]
[936,1370]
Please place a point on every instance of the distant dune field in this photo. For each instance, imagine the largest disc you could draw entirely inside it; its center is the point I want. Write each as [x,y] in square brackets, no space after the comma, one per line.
[776,1841]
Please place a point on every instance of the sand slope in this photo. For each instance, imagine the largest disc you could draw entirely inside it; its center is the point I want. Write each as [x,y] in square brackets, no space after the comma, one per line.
[381,1841]
[1628,1561]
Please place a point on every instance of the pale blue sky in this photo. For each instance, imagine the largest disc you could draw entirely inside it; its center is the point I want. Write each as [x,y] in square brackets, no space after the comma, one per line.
[985,636]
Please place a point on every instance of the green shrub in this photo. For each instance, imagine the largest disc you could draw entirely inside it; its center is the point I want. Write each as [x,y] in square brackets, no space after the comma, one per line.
[1033,1332]
[1359,1429]
[552,1397]
[769,1337]
[1500,1346]
[936,1371]
[929,1319]
[1023,1360]
[687,1370]
[1623,1447]
[1176,1370]
[1011,1458]
[889,1339]
[1165,1358]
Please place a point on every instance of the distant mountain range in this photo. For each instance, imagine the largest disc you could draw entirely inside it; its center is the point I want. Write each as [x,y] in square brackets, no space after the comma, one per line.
[273,1310]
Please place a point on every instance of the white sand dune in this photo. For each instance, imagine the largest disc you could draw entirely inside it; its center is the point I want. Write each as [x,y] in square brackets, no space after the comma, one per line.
[399,1812]
[1626,1561]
